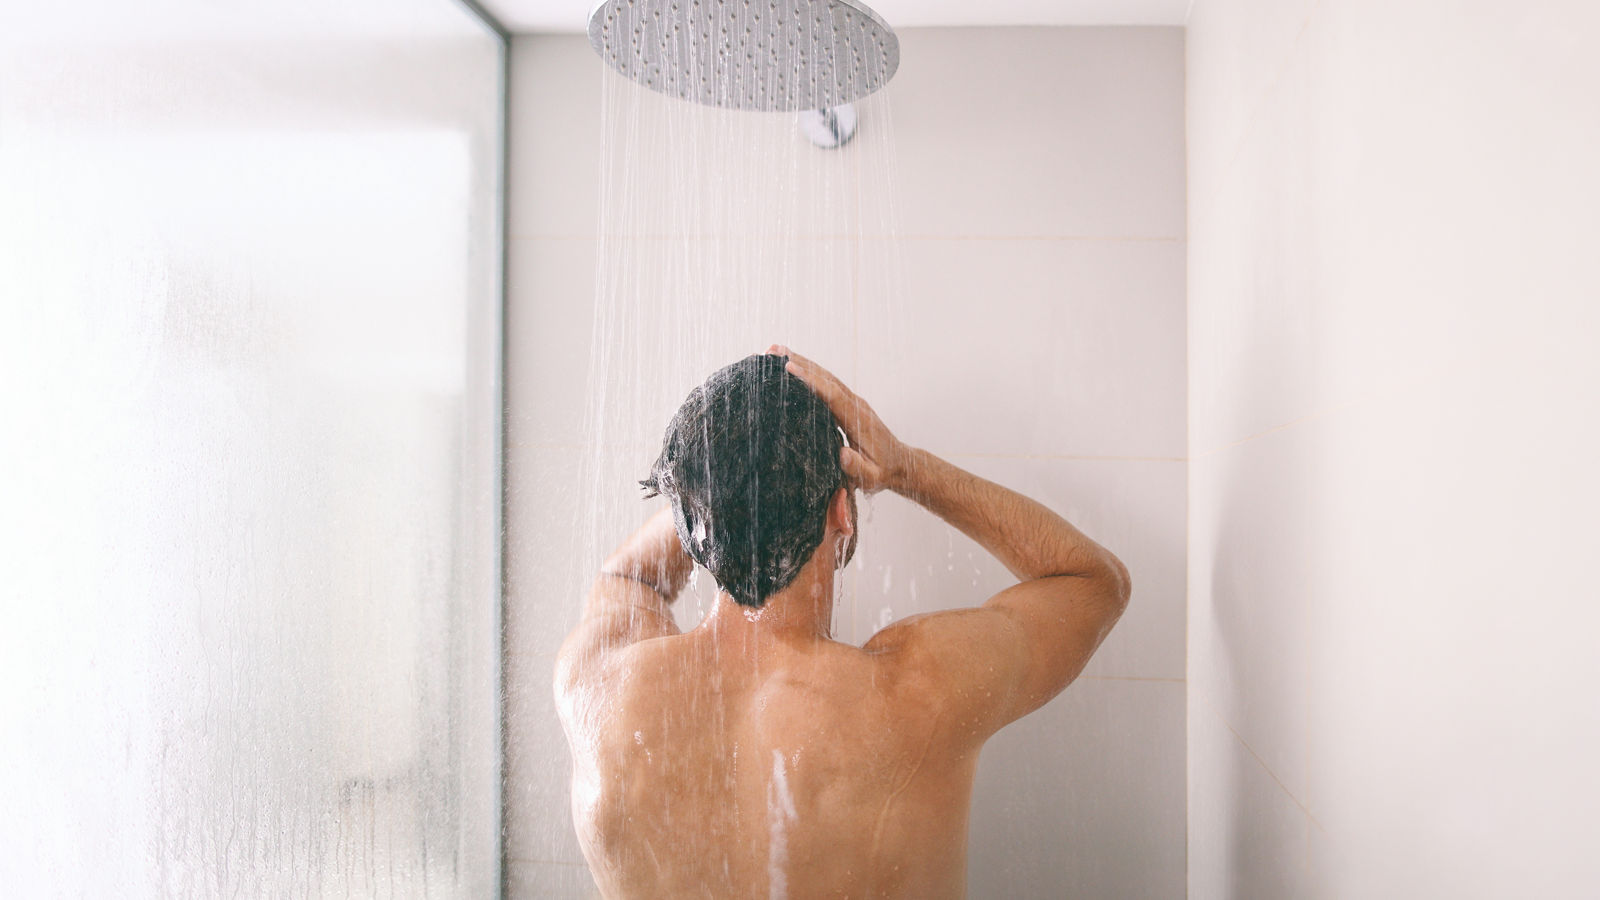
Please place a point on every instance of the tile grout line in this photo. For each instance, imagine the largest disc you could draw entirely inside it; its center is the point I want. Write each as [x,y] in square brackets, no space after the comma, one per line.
[1263,763]
[1188,452]
[1354,402]
[544,862]
[927,238]
[1061,457]
[1305,759]
[1048,457]
[1282,426]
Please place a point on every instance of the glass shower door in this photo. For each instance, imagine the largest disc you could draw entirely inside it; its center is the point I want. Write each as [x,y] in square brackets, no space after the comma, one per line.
[249,453]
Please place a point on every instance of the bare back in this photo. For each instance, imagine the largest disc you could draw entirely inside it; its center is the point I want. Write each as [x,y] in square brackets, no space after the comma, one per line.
[753,757]
[788,769]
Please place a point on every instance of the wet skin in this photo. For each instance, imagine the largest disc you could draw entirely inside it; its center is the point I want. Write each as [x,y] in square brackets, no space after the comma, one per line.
[754,756]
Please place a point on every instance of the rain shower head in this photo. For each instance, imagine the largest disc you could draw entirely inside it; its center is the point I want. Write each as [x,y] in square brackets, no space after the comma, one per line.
[748,54]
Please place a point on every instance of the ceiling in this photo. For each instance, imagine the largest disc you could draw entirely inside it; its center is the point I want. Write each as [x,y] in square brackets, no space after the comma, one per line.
[163,21]
[573,15]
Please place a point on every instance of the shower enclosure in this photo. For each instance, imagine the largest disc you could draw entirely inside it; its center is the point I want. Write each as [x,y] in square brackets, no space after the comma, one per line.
[250,281]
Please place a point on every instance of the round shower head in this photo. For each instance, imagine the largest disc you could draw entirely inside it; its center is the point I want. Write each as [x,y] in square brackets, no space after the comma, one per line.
[748,54]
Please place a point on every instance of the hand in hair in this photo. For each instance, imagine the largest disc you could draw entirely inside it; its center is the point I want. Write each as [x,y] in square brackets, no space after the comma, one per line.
[875,459]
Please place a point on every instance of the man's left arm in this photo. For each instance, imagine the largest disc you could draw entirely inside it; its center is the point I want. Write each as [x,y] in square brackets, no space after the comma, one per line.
[631,599]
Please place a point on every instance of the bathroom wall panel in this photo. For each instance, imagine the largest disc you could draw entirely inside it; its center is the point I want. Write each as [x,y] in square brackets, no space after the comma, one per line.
[1391,333]
[1037,338]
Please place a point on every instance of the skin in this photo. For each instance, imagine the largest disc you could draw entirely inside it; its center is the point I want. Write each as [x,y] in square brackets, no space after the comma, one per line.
[754,756]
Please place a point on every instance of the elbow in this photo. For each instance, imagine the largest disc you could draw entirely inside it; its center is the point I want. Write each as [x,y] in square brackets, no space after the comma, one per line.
[1119,582]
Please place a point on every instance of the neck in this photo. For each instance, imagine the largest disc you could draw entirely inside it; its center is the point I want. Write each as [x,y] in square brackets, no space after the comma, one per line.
[802,610]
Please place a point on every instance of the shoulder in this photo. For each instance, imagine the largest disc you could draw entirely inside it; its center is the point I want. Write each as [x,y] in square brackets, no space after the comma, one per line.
[960,664]
[944,645]
[592,671]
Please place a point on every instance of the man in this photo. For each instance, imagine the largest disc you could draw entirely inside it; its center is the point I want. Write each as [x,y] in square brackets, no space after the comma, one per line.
[756,757]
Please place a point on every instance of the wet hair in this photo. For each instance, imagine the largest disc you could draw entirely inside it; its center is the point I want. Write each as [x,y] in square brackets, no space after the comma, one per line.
[750,462]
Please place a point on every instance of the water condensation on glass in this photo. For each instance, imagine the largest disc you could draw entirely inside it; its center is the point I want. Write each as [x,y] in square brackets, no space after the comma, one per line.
[248,375]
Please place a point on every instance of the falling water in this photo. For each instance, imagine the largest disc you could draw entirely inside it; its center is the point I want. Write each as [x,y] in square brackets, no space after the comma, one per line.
[722,232]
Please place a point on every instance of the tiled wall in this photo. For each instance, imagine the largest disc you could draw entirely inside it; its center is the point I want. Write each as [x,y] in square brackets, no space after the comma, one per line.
[1027,322]
[1393,317]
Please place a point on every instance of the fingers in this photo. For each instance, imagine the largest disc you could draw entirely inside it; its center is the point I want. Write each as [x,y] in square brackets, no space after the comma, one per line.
[843,402]
[811,374]
[800,367]
[873,454]
[827,386]
[861,471]
[849,461]
[796,360]
[845,406]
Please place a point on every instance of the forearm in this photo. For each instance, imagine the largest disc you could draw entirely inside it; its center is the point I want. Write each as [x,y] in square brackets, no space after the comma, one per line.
[1024,535]
[654,557]
[1032,541]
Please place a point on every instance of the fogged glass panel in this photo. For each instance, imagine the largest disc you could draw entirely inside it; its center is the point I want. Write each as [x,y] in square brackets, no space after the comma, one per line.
[249,506]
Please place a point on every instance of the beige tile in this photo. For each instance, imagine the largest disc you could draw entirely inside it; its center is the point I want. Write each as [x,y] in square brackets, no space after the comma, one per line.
[1236,52]
[1249,616]
[1084,798]
[549,562]
[665,338]
[538,773]
[550,320]
[1061,348]
[566,508]
[553,181]
[1431,234]
[910,562]
[1246,835]
[679,310]
[589,149]
[1033,131]
[677,168]
[1259,285]
[1333,265]
[527,880]
[983,132]
[1365,614]
[610,362]
[1389,264]
[1450,716]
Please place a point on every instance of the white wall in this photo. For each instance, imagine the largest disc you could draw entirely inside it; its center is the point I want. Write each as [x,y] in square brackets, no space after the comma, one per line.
[1393,323]
[1027,322]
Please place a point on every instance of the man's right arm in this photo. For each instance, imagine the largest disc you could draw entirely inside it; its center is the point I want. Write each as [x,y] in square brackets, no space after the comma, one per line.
[1000,661]
[1028,642]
